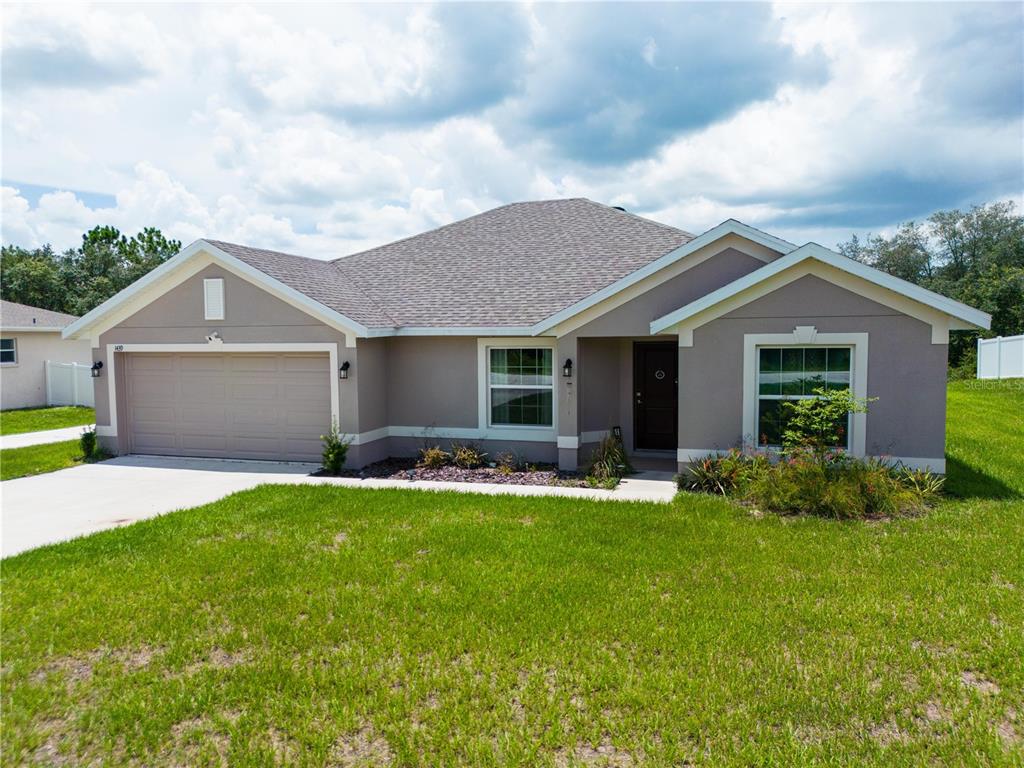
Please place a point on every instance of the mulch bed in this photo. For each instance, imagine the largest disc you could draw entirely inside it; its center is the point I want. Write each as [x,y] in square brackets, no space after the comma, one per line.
[406,469]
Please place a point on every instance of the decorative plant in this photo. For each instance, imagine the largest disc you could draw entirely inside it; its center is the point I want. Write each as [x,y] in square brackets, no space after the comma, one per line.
[467,456]
[87,442]
[335,449]
[609,460]
[434,457]
[818,424]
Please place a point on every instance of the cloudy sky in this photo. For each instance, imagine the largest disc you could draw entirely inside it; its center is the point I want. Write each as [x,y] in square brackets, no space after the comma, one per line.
[322,130]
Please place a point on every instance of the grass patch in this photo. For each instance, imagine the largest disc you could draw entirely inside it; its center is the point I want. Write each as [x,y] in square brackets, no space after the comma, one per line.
[19,421]
[37,459]
[329,626]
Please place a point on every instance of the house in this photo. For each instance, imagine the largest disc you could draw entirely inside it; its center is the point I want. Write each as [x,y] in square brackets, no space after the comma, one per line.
[29,336]
[537,327]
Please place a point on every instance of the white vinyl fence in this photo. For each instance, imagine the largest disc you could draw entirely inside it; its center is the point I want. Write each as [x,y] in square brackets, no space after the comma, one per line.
[68,384]
[1001,357]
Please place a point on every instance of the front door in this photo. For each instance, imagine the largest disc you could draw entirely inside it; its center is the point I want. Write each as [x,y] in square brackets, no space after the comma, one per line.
[655,395]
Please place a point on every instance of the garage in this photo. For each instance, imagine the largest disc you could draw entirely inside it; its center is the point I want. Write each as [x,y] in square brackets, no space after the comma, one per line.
[270,406]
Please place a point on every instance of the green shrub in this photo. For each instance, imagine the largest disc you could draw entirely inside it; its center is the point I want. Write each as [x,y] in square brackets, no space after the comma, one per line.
[434,457]
[722,474]
[87,442]
[819,423]
[609,460]
[467,456]
[335,450]
[803,482]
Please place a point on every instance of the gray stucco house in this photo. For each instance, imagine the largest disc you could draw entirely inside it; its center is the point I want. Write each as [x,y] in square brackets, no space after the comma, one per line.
[537,326]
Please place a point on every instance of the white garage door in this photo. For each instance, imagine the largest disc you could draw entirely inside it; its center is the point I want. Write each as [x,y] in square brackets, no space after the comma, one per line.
[246,406]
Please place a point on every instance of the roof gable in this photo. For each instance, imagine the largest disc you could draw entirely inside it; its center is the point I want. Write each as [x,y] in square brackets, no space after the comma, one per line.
[888,289]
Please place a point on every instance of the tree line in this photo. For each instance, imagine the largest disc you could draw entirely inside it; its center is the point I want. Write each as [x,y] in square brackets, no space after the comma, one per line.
[974,256]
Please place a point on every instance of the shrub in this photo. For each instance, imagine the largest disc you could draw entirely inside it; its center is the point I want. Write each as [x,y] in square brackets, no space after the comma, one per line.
[804,482]
[434,457]
[819,423]
[609,460]
[335,450]
[87,442]
[509,462]
[467,456]
[721,474]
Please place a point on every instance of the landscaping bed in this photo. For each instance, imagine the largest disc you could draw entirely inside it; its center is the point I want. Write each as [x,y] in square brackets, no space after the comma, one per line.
[407,469]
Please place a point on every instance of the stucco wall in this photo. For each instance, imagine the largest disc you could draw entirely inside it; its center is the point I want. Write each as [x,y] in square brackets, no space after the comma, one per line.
[634,317]
[432,381]
[906,372]
[23,385]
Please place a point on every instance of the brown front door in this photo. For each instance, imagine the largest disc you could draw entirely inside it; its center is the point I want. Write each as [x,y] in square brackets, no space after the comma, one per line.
[655,398]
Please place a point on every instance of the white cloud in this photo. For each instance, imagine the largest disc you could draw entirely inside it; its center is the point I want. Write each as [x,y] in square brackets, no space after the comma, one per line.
[227,122]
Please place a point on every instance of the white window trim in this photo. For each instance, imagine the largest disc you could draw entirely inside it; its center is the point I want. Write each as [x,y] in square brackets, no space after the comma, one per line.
[216,283]
[806,336]
[110,369]
[13,363]
[527,433]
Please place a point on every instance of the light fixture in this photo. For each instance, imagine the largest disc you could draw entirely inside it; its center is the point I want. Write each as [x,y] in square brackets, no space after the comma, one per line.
[343,371]
[96,368]
[567,368]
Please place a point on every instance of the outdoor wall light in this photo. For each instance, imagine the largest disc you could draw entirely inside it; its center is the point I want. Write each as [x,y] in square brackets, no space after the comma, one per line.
[567,368]
[343,371]
[96,368]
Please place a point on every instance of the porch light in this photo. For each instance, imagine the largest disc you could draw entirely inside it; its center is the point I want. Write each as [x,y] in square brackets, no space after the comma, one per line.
[343,371]
[96,368]
[567,368]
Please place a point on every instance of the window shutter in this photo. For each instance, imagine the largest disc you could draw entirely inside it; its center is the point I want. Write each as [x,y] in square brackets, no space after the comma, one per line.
[213,298]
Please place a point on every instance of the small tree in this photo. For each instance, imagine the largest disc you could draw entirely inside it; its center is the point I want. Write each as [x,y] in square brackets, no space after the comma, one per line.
[335,450]
[818,424]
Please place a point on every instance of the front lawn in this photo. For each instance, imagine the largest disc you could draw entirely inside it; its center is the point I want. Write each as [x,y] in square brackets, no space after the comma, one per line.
[37,459]
[22,420]
[330,626]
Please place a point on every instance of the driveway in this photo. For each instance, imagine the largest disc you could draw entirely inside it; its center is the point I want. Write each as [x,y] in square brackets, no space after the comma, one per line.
[40,438]
[46,509]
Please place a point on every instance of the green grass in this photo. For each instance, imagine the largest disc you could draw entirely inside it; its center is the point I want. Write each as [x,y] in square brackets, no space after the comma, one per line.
[319,626]
[23,420]
[37,459]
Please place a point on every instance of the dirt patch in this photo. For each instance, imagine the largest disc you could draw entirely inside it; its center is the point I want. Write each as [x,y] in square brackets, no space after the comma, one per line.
[935,712]
[1010,732]
[526,520]
[340,540]
[362,748]
[78,668]
[605,754]
[977,682]
[888,733]
[218,658]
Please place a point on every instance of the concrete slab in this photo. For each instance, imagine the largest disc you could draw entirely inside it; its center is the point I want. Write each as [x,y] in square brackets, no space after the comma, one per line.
[46,509]
[41,438]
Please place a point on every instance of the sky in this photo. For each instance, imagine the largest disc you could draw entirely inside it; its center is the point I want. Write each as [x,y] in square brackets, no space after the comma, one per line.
[327,129]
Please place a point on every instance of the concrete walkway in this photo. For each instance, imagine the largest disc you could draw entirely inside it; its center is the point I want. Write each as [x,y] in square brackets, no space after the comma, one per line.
[46,509]
[40,438]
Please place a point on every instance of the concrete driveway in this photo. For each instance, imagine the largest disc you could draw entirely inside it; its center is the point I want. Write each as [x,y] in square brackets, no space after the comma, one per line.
[46,509]
[57,506]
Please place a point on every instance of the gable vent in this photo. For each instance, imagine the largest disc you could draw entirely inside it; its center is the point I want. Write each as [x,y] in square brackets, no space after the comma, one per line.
[213,298]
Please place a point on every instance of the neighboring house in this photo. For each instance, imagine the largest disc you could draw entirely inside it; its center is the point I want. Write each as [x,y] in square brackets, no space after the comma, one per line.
[536,326]
[29,336]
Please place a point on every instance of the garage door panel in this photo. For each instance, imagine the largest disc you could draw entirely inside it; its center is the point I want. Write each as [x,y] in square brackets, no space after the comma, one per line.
[258,406]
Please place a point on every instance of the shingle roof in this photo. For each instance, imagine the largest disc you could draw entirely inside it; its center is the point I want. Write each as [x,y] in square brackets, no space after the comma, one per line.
[14,315]
[511,266]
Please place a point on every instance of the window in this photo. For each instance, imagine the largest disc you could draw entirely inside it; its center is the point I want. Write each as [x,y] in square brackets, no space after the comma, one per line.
[520,387]
[213,298]
[793,373]
[8,351]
